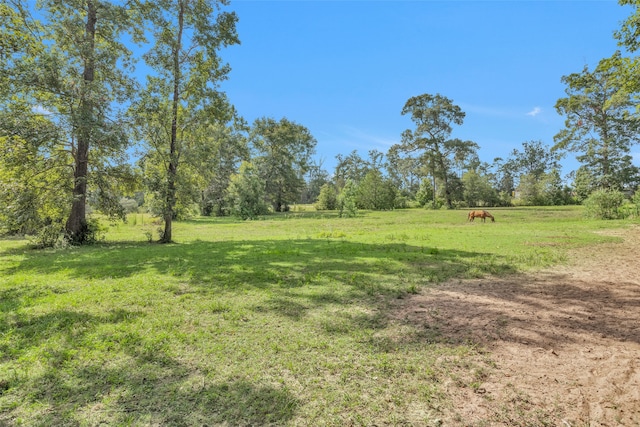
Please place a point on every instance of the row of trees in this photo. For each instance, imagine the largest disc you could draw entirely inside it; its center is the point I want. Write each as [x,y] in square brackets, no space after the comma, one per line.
[71,113]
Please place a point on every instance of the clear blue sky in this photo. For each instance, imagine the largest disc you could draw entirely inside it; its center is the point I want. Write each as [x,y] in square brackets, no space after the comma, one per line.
[344,69]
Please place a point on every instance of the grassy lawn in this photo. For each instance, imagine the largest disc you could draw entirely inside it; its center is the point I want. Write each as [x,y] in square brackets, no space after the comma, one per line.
[281,321]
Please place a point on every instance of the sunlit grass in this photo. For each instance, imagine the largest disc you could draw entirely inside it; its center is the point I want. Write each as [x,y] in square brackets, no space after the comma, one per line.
[283,320]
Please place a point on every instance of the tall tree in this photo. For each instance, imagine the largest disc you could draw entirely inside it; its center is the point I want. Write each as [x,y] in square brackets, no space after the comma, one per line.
[77,77]
[317,177]
[600,123]
[406,172]
[350,168]
[434,117]
[282,154]
[629,33]
[478,190]
[376,192]
[218,161]
[535,159]
[184,93]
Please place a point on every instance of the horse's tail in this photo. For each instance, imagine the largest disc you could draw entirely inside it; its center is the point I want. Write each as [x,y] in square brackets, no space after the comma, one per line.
[470,216]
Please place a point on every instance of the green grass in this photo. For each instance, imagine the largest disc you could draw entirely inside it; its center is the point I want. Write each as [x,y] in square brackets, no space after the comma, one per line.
[282,321]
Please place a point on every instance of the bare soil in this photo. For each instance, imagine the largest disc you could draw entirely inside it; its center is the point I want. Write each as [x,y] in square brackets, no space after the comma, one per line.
[559,347]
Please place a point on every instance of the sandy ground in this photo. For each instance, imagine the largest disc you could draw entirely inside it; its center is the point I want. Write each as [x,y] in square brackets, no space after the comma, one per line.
[558,347]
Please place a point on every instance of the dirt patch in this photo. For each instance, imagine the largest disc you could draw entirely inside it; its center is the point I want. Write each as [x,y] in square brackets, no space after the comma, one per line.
[558,347]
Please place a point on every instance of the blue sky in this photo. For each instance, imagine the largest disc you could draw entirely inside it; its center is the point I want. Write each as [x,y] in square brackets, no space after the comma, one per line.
[344,69]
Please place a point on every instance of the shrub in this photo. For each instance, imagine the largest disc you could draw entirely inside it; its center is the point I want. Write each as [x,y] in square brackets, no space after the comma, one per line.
[347,201]
[604,204]
[327,199]
[49,236]
[246,194]
[425,193]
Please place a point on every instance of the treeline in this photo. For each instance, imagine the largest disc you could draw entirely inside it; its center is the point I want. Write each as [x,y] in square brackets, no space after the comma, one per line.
[72,117]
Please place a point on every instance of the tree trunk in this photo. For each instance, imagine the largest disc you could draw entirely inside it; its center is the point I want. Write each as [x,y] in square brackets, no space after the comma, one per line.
[445,180]
[173,149]
[76,226]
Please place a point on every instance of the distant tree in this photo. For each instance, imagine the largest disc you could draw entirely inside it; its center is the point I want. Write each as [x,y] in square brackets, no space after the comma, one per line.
[504,173]
[478,191]
[545,190]
[328,197]
[375,192]
[246,193]
[555,192]
[282,153]
[405,172]
[352,167]
[434,116]
[347,200]
[182,98]
[317,177]
[535,159]
[584,183]
[425,194]
[600,124]
[219,161]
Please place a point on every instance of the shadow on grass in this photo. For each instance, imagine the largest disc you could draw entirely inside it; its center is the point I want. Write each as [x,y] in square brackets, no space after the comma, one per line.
[91,375]
[100,369]
[262,263]
[302,273]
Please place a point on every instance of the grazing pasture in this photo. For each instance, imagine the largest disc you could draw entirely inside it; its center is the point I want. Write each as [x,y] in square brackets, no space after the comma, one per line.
[287,320]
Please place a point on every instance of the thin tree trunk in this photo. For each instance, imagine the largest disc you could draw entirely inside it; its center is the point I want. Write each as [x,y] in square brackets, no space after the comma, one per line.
[173,154]
[445,180]
[76,226]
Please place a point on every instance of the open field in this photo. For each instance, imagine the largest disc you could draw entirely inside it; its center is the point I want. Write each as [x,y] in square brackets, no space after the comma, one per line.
[308,319]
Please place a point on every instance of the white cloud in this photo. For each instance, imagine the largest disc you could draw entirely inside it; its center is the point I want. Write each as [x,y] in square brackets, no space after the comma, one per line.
[534,112]
[367,139]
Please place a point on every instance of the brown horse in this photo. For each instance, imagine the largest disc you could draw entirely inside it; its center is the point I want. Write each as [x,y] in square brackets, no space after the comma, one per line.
[481,214]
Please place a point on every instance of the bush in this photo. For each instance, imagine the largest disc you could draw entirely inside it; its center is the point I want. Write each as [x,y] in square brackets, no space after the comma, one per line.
[246,194]
[92,233]
[328,198]
[604,204]
[425,193]
[49,236]
[347,201]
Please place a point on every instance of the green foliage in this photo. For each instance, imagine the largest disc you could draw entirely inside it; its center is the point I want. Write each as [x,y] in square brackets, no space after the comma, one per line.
[71,77]
[48,236]
[129,205]
[434,116]
[328,198]
[347,200]
[604,204]
[631,208]
[92,232]
[351,167]
[544,190]
[478,190]
[375,192]
[283,152]
[425,193]
[246,193]
[182,101]
[220,159]
[600,123]
[35,179]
